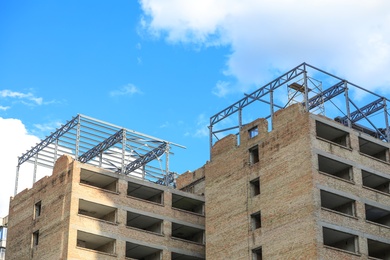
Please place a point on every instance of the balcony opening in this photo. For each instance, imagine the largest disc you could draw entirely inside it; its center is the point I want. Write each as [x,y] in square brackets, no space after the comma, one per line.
[187,204]
[254,155]
[95,242]
[37,209]
[144,222]
[340,240]
[98,211]
[145,192]
[256,220]
[136,251]
[375,182]
[373,149]
[335,168]
[253,132]
[187,233]
[332,134]
[177,256]
[377,215]
[98,180]
[257,254]
[255,187]
[337,203]
[378,250]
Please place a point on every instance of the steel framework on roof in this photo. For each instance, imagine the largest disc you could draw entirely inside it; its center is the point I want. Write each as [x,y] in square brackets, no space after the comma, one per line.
[304,73]
[98,143]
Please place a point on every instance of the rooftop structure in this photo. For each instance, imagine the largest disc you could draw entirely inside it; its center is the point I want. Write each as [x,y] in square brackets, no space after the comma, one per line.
[108,146]
[320,92]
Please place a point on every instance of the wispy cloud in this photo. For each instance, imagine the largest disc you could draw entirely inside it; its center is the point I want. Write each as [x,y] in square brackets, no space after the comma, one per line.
[201,126]
[26,98]
[221,89]
[47,127]
[4,108]
[127,90]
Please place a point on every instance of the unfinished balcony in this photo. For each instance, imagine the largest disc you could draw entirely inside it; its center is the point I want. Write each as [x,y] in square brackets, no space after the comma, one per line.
[136,251]
[332,134]
[98,180]
[95,242]
[375,182]
[187,204]
[377,215]
[335,168]
[97,211]
[340,240]
[143,222]
[378,250]
[187,233]
[372,149]
[145,193]
[337,203]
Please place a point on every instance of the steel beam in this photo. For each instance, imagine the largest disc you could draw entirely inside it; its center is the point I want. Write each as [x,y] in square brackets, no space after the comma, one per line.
[256,95]
[326,95]
[150,156]
[51,138]
[363,112]
[98,149]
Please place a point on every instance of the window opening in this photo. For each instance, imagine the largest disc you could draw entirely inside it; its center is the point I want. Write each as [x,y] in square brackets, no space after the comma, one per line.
[256,220]
[37,209]
[254,155]
[372,149]
[253,132]
[335,168]
[255,187]
[337,203]
[340,240]
[332,134]
[36,238]
[377,215]
[257,254]
[375,182]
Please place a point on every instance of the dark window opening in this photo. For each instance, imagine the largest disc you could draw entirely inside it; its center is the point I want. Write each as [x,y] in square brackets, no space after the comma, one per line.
[377,215]
[340,240]
[255,187]
[256,220]
[254,155]
[332,134]
[35,238]
[378,250]
[144,222]
[187,204]
[335,168]
[188,233]
[257,254]
[135,251]
[37,209]
[375,182]
[337,203]
[145,192]
[95,242]
[98,180]
[97,211]
[373,149]
[177,256]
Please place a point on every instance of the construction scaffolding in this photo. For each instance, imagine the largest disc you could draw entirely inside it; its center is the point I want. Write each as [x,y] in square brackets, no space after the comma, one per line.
[105,145]
[305,84]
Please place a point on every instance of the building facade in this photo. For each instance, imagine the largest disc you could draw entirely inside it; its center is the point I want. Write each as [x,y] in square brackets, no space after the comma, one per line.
[3,236]
[311,188]
[85,212]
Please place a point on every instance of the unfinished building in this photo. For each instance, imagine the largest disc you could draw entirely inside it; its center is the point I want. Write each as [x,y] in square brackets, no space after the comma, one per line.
[308,179]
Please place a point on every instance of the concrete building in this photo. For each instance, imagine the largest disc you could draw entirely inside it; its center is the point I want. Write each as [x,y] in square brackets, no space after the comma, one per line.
[85,212]
[3,236]
[292,184]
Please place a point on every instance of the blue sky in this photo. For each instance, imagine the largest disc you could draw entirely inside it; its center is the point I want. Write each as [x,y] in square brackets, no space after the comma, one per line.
[164,67]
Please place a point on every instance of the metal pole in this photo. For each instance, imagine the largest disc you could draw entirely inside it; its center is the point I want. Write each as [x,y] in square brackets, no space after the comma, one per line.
[386,121]
[210,137]
[123,151]
[16,180]
[167,165]
[35,168]
[240,118]
[271,96]
[76,156]
[306,89]
[347,104]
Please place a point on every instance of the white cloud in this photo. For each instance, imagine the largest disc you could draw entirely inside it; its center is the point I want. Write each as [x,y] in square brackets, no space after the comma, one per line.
[127,90]
[202,129]
[14,141]
[4,108]
[350,38]
[26,98]
[221,89]
[47,127]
